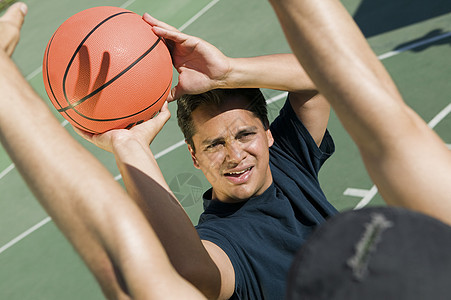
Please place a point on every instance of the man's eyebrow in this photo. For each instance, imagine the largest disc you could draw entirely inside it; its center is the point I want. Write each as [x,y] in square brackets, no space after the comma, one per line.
[247,129]
[212,141]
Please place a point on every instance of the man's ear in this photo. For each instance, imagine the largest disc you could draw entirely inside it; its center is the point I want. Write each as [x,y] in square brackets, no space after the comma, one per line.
[193,156]
[269,137]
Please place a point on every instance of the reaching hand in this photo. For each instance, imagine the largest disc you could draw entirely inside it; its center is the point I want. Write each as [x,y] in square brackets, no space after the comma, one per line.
[143,133]
[10,25]
[201,66]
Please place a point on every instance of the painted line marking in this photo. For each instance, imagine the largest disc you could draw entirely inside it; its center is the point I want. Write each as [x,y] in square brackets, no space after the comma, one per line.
[24,234]
[198,15]
[356,192]
[367,198]
[128,3]
[440,116]
[373,191]
[34,73]
[7,170]
[414,45]
[277,98]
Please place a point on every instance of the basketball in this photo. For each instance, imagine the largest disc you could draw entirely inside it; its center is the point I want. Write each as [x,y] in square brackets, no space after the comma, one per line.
[104,69]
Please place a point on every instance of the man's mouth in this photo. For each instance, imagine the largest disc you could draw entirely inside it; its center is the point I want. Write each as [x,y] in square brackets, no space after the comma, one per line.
[237,173]
[239,177]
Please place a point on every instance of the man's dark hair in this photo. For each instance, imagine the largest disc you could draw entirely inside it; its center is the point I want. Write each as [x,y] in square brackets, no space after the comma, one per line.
[188,103]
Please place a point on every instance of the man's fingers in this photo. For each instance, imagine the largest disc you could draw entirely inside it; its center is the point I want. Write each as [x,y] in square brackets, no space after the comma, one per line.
[173,94]
[172,35]
[15,14]
[164,114]
[84,134]
[155,22]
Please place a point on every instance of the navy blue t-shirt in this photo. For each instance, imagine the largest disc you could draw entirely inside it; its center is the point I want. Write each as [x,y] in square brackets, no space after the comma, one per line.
[262,235]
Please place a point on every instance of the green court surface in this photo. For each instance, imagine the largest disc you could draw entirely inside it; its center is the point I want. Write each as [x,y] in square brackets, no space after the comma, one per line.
[36,262]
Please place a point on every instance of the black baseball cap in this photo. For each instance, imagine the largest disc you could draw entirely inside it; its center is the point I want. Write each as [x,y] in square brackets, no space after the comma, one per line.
[374,253]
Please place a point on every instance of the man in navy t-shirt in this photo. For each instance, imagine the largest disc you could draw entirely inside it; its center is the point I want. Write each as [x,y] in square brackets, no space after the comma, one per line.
[261,234]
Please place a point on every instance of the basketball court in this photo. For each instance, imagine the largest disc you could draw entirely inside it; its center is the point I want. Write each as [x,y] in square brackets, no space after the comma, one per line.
[412,39]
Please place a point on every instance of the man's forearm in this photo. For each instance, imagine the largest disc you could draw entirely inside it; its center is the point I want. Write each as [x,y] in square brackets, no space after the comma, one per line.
[276,71]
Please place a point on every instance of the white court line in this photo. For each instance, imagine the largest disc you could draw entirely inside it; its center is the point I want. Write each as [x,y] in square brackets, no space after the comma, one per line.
[356,192]
[24,234]
[367,199]
[6,171]
[414,45]
[198,15]
[440,116]
[128,3]
[276,98]
[34,73]
[373,191]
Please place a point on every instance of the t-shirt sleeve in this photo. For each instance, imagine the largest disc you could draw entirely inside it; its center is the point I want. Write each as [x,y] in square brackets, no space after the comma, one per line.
[291,138]
[214,235]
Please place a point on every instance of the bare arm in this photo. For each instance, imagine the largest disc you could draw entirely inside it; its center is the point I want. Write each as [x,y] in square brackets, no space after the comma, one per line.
[408,162]
[106,228]
[147,187]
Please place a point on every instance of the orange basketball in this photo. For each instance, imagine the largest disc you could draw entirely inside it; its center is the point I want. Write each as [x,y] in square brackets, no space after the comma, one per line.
[104,68]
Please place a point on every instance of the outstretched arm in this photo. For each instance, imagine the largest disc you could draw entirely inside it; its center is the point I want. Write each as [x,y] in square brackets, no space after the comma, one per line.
[91,209]
[409,163]
[147,187]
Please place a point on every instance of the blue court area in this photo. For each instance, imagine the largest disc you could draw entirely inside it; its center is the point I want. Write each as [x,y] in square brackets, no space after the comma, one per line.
[412,39]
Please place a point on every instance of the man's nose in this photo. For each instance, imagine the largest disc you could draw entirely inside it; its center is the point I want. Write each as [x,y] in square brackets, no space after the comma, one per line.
[234,152]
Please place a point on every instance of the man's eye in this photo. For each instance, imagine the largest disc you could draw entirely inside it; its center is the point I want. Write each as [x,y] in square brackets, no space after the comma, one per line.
[214,146]
[246,135]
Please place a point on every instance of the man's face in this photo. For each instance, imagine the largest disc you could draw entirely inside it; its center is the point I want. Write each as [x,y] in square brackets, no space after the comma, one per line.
[232,150]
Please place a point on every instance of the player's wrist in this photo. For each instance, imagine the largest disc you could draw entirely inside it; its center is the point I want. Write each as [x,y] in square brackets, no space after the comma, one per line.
[232,77]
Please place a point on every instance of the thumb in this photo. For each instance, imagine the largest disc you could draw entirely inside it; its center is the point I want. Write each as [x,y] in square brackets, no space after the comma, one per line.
[10,25]
[15,14]
[148,130]
[164,115]
[160,119]
[174,94]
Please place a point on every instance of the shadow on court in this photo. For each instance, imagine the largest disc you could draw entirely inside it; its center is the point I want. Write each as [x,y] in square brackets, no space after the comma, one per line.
[376,17]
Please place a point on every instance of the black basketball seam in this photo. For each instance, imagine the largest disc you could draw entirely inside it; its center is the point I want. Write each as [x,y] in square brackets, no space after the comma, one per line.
[106,84]
[81,45]
[124,117]
[51,89]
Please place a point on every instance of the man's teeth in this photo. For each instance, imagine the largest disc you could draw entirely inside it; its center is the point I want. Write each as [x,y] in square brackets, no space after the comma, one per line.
[240,172]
